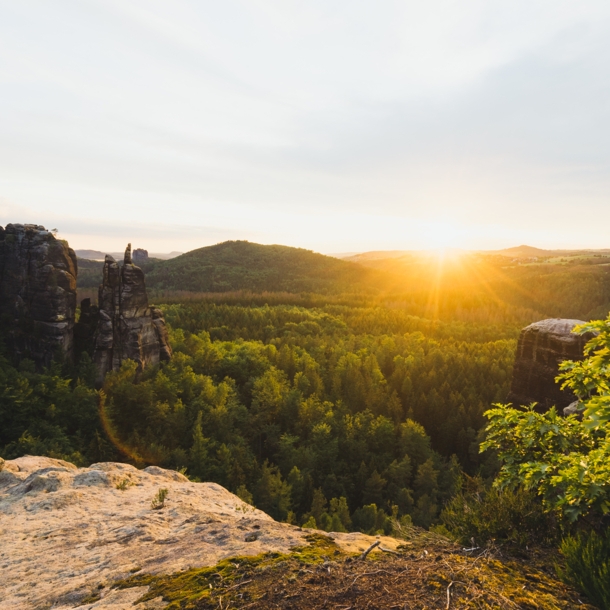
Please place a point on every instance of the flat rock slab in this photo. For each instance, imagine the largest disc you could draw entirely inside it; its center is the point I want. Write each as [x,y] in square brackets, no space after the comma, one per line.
[67,532]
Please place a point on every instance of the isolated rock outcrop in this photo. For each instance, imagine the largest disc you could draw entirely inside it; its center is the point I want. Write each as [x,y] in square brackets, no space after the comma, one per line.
[140,256]
[37,293]
[541,348]
[69,532]
[127,328]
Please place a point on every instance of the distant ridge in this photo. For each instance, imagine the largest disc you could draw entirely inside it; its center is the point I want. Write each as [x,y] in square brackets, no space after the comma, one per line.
[521,252]
[531,252]
[98,255]
[377,255]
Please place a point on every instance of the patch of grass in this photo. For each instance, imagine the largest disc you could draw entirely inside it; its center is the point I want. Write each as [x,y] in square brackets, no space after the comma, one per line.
[188,589]
[587,565]
[320,575]
[123,484]
[158,502]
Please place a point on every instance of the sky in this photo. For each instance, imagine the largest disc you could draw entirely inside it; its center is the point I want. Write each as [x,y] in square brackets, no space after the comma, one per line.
[333,125]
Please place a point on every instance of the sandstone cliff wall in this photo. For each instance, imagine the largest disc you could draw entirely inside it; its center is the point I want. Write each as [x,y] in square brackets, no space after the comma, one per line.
[37,293]
[541,348]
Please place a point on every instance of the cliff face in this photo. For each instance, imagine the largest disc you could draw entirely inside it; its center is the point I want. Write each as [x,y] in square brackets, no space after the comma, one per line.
[541,348]
[38,305]
[37,293]
[127,328]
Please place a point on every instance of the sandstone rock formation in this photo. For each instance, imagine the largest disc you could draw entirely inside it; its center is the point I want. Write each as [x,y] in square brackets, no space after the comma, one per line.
[68,532]
[37,293]
[38,305]
[140,256]
[127,327]
[541,348]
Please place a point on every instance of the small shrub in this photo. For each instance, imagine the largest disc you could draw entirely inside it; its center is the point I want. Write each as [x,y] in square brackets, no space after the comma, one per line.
[123,484]
[310,523]
[372,520]
[158,501]
[587,565]
[507,516]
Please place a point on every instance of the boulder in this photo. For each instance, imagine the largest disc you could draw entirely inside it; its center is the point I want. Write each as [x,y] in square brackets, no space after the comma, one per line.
[542,346]
[37,293]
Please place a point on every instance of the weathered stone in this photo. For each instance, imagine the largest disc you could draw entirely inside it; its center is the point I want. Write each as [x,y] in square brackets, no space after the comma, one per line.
[127,327]
[68,531]
[541,348]
[37,293]
[140,256]
[573,408]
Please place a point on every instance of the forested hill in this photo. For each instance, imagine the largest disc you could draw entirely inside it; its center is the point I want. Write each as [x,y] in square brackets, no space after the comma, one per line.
[241,265]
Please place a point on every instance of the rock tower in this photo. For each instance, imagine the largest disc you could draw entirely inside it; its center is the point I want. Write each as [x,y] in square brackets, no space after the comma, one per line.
[127,328]
[37,293]
[38,306]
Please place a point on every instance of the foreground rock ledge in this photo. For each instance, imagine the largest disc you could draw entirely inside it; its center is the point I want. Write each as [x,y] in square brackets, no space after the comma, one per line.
[66,530]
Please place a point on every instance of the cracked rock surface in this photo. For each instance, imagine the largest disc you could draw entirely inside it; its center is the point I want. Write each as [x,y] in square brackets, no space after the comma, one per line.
[69,532]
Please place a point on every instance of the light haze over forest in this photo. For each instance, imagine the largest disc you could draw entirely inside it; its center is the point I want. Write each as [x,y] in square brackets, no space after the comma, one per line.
[337,126]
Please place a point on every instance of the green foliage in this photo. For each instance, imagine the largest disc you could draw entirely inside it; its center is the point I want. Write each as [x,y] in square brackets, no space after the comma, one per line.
[48,414]
[309,413]
[372,520]
[272,493]
[589,379]
[123,484]
[566,460]
[158,502]
[587,565]
[243,494]
[488,514]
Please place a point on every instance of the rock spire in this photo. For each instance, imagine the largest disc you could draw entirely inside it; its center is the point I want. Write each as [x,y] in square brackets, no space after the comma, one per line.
[38,306]
[127,328]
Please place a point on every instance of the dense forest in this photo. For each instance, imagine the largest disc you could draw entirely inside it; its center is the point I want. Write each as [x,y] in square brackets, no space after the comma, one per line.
[309,412]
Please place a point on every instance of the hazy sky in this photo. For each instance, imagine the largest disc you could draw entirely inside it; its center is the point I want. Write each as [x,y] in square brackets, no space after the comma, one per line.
[336,125]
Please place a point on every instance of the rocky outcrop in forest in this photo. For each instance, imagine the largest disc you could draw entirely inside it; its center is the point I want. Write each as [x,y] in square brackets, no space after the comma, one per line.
[140,256]
[541,348]
[126,327]
[37,293]
[38,305]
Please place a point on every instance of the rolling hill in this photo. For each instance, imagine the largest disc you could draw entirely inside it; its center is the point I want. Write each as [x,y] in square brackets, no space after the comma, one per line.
[242,265]
[515,284]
